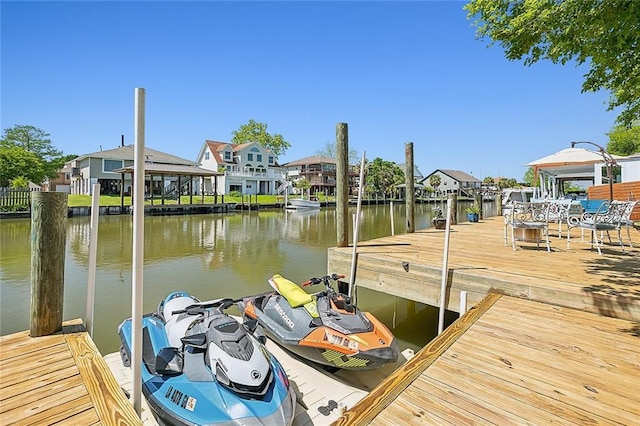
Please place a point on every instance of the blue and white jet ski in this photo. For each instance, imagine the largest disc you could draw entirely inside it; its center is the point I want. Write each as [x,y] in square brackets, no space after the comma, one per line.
[201,367]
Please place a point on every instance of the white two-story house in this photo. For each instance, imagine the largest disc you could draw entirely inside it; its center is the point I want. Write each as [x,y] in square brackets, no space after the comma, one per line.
[248,168]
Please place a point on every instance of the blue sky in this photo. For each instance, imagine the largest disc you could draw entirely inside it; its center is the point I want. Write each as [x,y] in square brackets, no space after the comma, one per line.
[396,72]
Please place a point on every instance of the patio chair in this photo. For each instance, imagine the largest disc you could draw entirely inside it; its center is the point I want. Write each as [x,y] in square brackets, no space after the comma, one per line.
[626,221]
[562,211]
[608,217]
[528,222]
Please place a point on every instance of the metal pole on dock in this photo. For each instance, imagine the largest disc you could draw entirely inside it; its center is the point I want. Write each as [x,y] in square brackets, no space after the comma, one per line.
[93,254]
[138,252]
[48,235]
[342,184]
[445,269]
[392,224]
[463,302]
[356,229]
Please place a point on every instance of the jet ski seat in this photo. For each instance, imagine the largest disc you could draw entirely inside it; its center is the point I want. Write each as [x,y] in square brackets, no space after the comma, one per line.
[295,295]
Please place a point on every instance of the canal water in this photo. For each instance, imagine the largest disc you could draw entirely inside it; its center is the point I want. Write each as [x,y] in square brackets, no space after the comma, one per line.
[210,256]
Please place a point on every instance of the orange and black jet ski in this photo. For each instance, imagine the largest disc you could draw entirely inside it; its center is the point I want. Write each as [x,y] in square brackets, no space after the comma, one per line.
[324,327]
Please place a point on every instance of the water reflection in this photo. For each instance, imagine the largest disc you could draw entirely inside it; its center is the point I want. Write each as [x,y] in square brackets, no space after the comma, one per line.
[210,256]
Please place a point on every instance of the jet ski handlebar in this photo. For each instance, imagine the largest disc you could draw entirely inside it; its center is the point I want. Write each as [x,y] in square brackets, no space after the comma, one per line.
[325,280]
[200,308]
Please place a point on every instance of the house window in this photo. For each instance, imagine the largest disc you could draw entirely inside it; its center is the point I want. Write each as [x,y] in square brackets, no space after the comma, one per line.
[206,155]
[111,165]
[227,156]
[270,160]
[259,156]
[249,157]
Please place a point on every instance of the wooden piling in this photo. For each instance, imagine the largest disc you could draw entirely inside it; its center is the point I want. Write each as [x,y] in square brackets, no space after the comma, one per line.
[477,200]
[48,235]
[410,192]
[454,209]
[342,184]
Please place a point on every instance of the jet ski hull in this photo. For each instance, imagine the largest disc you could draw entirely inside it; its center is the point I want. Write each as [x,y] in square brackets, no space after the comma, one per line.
[194,397]
[297,331]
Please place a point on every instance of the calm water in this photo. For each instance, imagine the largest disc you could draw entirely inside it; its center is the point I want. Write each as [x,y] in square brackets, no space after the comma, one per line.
[210,256]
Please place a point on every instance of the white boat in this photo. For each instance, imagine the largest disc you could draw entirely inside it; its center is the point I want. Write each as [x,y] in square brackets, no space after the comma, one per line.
[303,203]
[515,195]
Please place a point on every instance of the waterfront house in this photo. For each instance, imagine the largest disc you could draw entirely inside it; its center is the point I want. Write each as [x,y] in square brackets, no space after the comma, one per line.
[454,182]
[247,168]
[107,168]
[61,183]
[320,171]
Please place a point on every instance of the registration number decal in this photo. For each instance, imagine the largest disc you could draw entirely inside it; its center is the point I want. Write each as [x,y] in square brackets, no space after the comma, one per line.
[179,398]
[341,341]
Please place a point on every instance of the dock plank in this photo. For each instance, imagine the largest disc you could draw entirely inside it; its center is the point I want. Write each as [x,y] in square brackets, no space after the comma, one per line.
[102,387]
[59,379]
[519,362]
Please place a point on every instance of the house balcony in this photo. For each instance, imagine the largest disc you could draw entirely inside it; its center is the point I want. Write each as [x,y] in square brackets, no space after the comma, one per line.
[257,174]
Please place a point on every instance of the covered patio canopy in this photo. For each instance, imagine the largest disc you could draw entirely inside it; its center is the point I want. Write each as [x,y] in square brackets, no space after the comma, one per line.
[174,170]
[569,164]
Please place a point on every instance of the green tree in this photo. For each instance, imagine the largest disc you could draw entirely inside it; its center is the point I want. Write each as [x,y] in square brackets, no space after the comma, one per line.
[254,131]
[16,162]
[488,180]
[382,177]
[624,140]
[68,157]
[435,181]
[529,177]
[508,183]
[604,35]
[19,182]
[330,151]
[302,184]
[22,139]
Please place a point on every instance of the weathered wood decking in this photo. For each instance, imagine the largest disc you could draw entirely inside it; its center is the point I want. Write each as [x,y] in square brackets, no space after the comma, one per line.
[515,361]
[410,266]
[61,379]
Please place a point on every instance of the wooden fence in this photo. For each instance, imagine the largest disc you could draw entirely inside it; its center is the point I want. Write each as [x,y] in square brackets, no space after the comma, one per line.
[16,196]
[621,191]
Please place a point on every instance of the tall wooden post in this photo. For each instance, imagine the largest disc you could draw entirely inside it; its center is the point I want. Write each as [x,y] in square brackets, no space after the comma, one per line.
[342,184]
[498,202]
[454,209]
[410,191]
[477,200]
[48,235]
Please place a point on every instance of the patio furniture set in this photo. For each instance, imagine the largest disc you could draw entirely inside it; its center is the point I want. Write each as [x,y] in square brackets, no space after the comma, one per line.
[529,221]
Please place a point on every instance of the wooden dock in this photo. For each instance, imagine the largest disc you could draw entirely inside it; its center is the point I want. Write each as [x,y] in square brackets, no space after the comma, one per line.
[61,379]
[410,266]
[515,361]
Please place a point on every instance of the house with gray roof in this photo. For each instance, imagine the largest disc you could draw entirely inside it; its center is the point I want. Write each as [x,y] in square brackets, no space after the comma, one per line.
[320,171]
[454,182]
[110,168]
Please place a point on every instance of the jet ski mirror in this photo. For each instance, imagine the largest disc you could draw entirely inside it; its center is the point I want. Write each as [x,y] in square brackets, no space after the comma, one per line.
[195,340]
[252,327]
[169,362]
